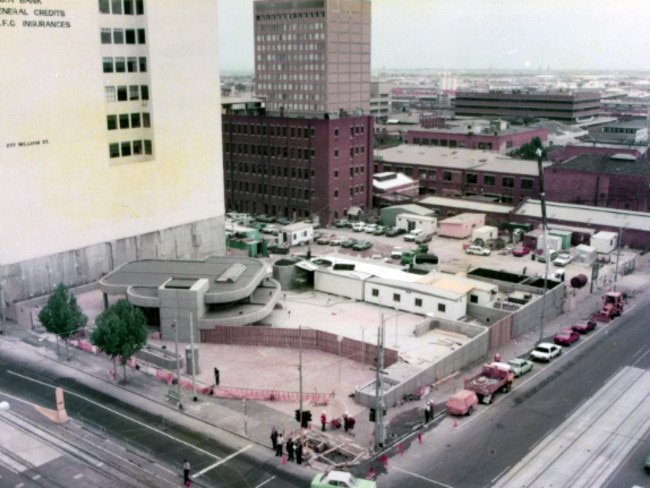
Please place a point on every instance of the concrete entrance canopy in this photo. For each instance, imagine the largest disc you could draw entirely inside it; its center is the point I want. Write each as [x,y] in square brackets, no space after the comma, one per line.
[220,290]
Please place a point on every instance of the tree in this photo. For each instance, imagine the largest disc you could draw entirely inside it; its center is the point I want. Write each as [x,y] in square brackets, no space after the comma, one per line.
[62,316]
[529,149]
[121,331]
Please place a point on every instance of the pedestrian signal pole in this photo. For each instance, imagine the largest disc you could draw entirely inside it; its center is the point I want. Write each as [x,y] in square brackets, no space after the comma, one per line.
[379,389]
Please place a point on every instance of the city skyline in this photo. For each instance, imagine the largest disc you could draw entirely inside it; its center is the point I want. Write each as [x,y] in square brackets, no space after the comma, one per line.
[479,35]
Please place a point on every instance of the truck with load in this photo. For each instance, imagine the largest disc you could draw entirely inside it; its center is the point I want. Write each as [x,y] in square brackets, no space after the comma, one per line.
[611,308]
[493,377]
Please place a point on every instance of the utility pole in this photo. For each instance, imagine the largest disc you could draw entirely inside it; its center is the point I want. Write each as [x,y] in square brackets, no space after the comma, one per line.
[542,197]
[300,376]
[379,390]
[178,366]
[192,351]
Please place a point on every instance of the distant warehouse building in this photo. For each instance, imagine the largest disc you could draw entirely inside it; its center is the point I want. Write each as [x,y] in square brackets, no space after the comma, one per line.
[571,107]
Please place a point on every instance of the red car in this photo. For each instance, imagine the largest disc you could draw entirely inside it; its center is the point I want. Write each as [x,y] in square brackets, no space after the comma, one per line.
[566,337]
[584,326]
[520,251]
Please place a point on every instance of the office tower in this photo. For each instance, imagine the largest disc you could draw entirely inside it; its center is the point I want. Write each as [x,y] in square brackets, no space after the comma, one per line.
[312,57]
[111,139]
[310,155]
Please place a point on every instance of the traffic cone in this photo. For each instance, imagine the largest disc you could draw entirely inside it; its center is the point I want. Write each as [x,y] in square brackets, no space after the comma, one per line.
[371,473]
[384,459]
[401,450]
[420,437]
[455,423]
[284,459]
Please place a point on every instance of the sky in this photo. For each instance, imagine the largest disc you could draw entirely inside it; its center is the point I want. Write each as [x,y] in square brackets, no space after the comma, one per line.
[480,34]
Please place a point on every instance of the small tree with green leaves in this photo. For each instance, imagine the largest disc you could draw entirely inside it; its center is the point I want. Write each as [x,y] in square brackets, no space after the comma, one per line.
[62,316]
[529,149]
[121,331]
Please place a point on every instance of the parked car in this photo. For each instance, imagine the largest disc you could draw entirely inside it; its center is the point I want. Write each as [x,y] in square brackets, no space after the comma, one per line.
[340,479]
[396,252]
[282,221]
[545,351]
[348,243]
[381,230]
[336,241]
[394,232]
[462,402]
[370,228]
[477,250]
[410,237]
[342,223]
[423,238]
[269,219]
[325,240]
[270,229]
[583,326]
[520,251]
[566,337]
[358,226]
[563,259]
[541,257]
[361,245]
[520,366]
[278,248]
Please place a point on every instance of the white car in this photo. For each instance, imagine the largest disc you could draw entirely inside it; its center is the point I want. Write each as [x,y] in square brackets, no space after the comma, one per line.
[410,237]
[478,251]
[370,228]
[563,259]
[358,226]
[545,351]
[520,366]
[396,252]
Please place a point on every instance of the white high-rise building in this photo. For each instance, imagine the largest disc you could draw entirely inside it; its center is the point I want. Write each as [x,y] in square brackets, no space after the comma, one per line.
[111,138]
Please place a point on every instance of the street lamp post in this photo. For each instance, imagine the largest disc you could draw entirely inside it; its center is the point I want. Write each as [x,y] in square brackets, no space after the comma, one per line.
[178,366]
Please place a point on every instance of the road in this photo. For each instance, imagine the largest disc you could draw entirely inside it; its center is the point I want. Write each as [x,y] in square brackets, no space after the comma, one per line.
[109,442]
[582,420]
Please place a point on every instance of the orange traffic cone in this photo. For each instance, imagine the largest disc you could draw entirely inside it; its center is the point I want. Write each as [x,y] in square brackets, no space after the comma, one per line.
[420,437]
[401,450]
[455,423]
[284,459]
[371,473]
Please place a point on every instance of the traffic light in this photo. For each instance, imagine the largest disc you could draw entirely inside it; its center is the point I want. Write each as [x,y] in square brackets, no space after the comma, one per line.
[306,418]
[373,415]
[297,415]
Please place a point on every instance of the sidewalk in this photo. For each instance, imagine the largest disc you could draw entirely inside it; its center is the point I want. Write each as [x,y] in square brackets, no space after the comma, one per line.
[253,420]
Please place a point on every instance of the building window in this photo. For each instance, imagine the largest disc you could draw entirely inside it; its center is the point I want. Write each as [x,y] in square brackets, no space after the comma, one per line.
[126,148]
[508,182]
[124,121]
[114,150]
[132,65]
[144,91]
[471,178]
[116,6]
[141,37]
[143,65]
[134,92]
[336,193]
[118,36]
[120,65]
[109,94]
[108,65]
[111,122]
[397,297]
[128,7]
[473,298]
[336,131]
[526,184]
[336,173]
[137,147]
[446,175]
[146,120]
[441,307]
[104,7]
[489,180]
[418,302]
[148,147]
[135,120]
[105,36]
[375,292]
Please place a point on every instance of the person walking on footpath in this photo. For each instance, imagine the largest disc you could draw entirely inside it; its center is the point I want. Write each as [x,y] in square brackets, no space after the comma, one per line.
[274,438]
[427,413]
[351,422]
[279,445]
[323,421]
[345,422]
[186,472]
[289,449]
[299,452]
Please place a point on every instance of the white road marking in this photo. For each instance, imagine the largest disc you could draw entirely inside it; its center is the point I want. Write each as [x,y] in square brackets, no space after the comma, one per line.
[228,458]
[415,475]
[262,484]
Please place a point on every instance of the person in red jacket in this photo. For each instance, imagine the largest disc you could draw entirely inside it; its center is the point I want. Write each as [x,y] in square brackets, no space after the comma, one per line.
[323,421]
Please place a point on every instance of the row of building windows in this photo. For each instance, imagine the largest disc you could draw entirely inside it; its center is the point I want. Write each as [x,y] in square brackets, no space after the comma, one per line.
[306,36]
[273,130]
[454,143]
[354,190]
[296,107]
[280,171]
[397,298]
[129,64]
[119,7]
[297,66]
[296,58]
[276,191]
[273,151]
[130,148]
[277,77]
[128,121]
[292,16]
[125,93]
[297,47]
[293,96]
[122,36]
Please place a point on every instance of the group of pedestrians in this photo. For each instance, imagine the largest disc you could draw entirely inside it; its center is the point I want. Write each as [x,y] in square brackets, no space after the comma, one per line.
[293,447]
